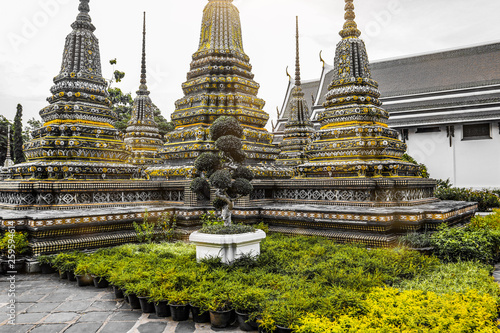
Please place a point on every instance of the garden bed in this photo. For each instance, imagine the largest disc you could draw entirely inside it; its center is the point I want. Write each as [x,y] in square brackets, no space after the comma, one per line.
[308,284]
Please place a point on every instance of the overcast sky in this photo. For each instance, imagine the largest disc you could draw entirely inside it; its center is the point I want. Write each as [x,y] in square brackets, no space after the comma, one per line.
[33,34]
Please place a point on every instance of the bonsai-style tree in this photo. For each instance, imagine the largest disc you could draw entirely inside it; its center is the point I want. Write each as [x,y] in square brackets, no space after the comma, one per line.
[223,170]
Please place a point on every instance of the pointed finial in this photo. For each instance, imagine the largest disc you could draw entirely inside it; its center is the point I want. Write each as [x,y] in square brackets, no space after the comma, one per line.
[143,88]
[83,20]
[84,6]
[8,159]
[297,60]
[350,27]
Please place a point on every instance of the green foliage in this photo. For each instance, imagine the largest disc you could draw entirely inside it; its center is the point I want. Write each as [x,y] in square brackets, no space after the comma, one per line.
[489,222]
[46,259]
[67,261]
[17,149]
[240,186]
[162,229]
[225,126]
[486,199]
[415,240]
[14,243]
[227,230]
[228,144]
[389,310]
[423,172]
[207,162]
[451,278]
[210,219]
[313,285]
[243,172]
[224,170]
[464,244]
[221,179]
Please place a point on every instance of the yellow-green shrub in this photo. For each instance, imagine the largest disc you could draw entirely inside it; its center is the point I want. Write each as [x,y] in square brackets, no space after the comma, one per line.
[412,311]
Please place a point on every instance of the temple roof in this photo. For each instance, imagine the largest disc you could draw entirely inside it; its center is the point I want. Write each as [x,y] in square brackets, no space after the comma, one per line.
[430,75]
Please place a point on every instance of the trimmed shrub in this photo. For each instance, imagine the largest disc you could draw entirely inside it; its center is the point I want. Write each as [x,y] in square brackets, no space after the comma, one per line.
[225,126]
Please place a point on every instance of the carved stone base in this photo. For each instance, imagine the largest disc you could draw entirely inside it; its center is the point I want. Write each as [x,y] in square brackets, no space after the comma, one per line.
[227,247]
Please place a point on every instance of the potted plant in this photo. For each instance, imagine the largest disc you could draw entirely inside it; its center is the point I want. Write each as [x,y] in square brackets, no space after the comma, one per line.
[99,269]
[247,302]
[179,304]
[12,246]
[46,263]
[159,295]
[198,300]
[82,273]
[142,290]
[220,307]
[224,172]
[66,264]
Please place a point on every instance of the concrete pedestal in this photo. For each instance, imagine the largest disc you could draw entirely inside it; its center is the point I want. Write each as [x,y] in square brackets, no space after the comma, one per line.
[227,247]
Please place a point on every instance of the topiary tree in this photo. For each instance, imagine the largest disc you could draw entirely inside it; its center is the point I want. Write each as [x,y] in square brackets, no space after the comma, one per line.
[223,170]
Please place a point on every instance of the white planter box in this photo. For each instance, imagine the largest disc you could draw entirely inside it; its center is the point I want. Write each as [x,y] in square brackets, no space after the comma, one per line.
[227,247]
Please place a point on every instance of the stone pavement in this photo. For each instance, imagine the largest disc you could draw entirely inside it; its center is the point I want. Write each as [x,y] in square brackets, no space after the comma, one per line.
[46,304]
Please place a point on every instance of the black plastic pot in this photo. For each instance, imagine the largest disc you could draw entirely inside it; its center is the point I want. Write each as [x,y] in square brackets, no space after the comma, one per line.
[198,316]
[146,305]
[83,280]
[245,324]
[63,275]
[134,301]
[47,269]
[71,276]
[100,282]
[220,319]
[162,309]
[280,329]
[179,312]
[118,292]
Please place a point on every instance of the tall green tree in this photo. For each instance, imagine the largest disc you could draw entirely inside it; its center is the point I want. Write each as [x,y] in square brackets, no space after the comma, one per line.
[17,151]
[31,125]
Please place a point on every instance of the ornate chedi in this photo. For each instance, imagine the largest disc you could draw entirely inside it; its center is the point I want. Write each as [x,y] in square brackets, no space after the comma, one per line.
[354,140]
[220,82]
[78,138]
[8,159]
[142,135]
[298,128]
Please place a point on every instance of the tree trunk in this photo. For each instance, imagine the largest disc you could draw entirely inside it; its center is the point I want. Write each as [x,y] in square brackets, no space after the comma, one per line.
[226,215]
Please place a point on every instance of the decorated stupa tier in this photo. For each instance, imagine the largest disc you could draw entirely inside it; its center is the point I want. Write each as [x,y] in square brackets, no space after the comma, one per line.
[142,135]
[354,140]
[298,128]
[219,83]
[78,124]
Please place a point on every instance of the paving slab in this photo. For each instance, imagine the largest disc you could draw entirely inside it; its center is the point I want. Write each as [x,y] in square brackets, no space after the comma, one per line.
[84,328]
[47,304]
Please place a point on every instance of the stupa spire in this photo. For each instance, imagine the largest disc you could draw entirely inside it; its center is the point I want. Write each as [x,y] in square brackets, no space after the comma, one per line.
[83,20]
[298,128]
[220,83]
[143,88]
[142,134]
[8,159]
[297,56]
[350,27]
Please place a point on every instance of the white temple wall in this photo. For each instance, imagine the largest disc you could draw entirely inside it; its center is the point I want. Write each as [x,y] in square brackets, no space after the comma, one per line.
[467,163]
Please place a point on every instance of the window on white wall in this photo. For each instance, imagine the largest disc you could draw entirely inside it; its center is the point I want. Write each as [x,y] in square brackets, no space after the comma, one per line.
[477,132]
